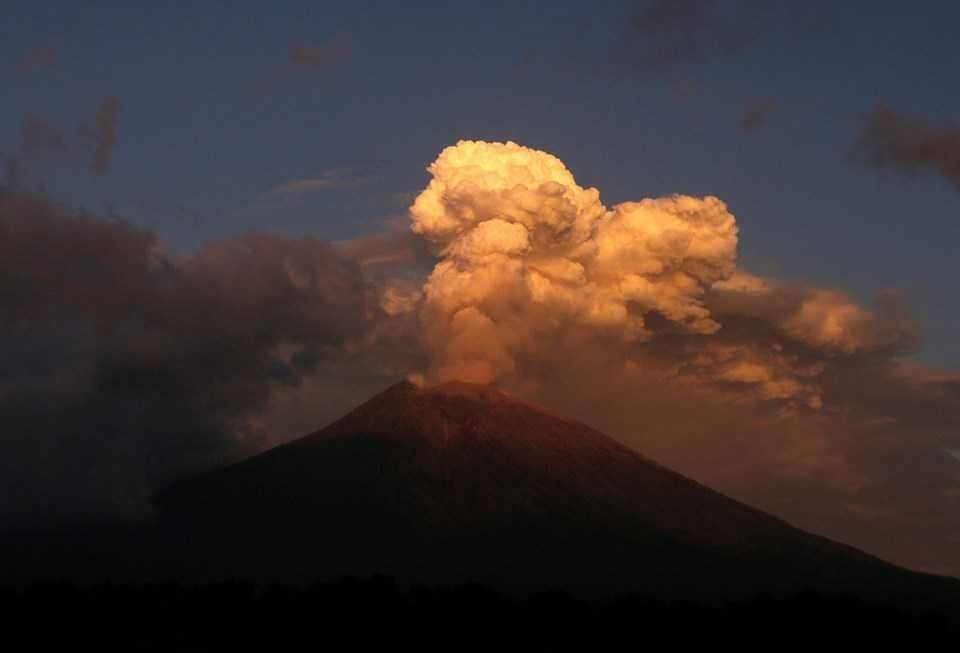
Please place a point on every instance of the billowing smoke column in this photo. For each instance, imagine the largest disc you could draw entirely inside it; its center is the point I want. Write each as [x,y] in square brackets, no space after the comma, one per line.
[538,279]
[636,319]
[532,260]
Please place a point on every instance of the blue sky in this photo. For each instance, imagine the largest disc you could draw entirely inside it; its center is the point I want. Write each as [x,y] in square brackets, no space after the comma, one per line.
[213,115]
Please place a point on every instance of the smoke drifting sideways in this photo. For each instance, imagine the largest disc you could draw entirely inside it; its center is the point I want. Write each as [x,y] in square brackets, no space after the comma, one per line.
[125,368]
[534,265]
[636,319]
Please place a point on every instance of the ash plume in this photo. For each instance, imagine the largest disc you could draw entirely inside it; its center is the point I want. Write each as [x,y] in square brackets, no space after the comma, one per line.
[127,367]
[636,319]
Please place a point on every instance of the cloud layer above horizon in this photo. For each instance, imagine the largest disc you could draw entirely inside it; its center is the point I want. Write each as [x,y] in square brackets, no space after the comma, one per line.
[130,366]
[127,367]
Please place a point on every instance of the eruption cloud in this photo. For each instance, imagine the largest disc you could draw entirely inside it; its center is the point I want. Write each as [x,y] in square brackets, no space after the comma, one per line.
[128,367]
[636,319]
[533,260]
[535,270]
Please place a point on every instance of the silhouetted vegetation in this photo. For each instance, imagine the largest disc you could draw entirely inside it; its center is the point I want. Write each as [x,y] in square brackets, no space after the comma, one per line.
[352,613]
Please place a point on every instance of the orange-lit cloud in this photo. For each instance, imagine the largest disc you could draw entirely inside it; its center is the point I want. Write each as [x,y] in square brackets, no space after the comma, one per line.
[533,265]
[636,319]
[531,258]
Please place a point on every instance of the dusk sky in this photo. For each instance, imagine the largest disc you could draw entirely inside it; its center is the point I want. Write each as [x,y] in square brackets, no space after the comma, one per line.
[829,130]
[214,113]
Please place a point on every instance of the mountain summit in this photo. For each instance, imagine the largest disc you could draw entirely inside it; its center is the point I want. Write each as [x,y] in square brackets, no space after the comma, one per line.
[456,484]
[462,482]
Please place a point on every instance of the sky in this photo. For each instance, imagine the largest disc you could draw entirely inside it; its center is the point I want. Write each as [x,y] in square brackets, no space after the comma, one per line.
[829,130]
[213,115]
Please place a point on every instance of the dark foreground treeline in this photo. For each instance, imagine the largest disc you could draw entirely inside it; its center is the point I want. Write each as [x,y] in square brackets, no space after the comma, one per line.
[238,616]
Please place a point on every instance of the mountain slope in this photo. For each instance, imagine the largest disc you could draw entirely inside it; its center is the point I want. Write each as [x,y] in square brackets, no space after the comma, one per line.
[464,483]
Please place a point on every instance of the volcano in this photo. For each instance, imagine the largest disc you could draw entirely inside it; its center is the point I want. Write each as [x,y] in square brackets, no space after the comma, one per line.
[463,483]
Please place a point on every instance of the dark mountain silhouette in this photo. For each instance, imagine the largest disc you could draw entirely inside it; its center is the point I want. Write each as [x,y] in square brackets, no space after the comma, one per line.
[462,483]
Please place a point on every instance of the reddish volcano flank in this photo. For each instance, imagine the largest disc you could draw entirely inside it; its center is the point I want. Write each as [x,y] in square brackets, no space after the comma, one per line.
[462,482]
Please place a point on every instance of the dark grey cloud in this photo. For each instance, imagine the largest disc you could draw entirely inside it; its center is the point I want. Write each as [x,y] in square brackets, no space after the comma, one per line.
[891,140]
[755,113]
[124,367]
[675,29]
[342,178]
[668,32]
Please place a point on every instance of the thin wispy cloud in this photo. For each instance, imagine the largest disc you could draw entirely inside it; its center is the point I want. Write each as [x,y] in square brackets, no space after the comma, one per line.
[306,60]
[393,246]
[668,32]
[335,179]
